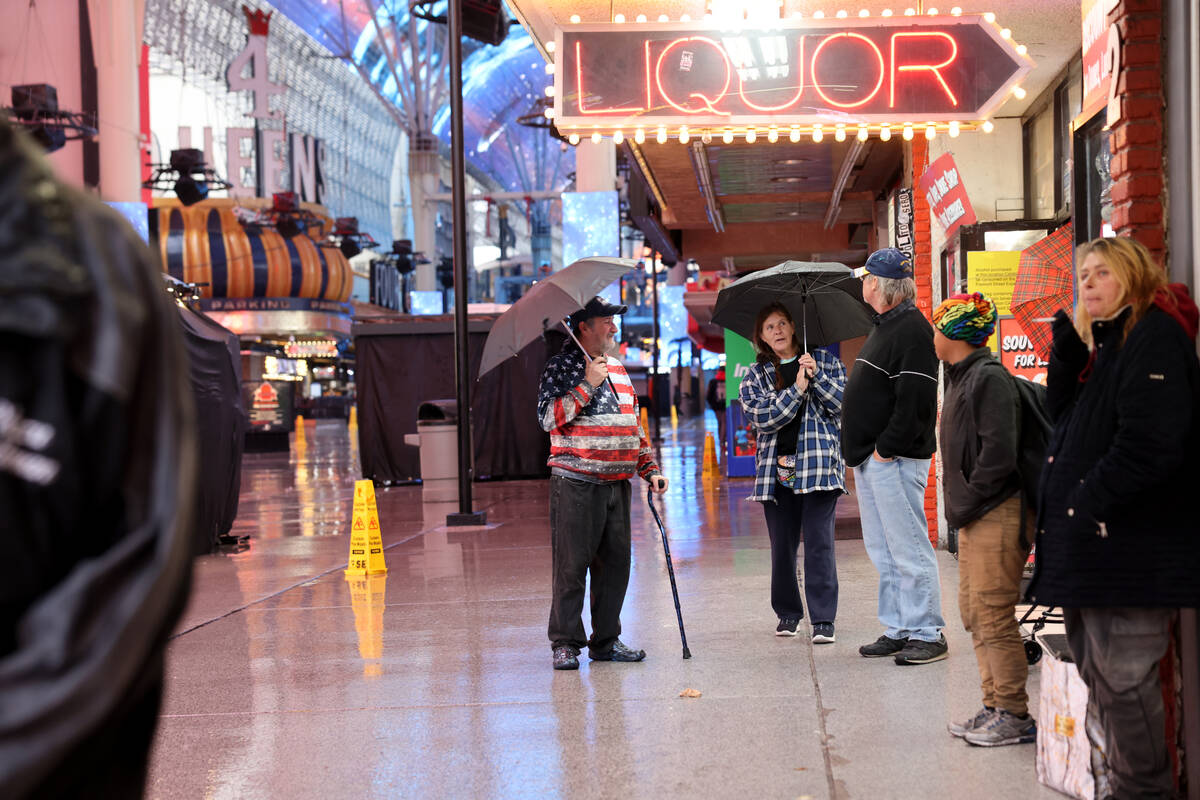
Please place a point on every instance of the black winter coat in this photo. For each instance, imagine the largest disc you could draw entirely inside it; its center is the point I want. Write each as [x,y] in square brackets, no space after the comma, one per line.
[1117,521]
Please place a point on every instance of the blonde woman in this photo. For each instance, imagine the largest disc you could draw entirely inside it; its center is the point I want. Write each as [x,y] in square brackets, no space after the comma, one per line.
[1117,542]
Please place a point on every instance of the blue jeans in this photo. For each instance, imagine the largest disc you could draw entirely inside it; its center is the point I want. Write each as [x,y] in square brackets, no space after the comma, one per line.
[891,502]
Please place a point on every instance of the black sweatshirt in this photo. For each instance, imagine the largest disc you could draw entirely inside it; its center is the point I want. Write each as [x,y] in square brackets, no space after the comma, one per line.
[890,404]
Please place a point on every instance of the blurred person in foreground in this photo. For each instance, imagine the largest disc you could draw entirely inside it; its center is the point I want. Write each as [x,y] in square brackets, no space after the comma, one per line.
[96,487]
[980,437]
[1117,543]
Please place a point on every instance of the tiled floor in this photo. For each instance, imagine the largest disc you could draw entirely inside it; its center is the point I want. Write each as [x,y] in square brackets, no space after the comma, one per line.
[286,680]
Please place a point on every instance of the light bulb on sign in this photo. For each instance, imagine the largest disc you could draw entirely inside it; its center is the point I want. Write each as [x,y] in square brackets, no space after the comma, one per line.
[619,18]
[953,130]
[751,136]
[1019,92]
[864,13]
[817,133]
[575,19]
[795,134]
[550,46]
[840,134]
[990,17]
[910,12]
[908,133]
[773,136]
[1022,49]
[663,18]
[887,12]
[987,126]
[549,69]
[596,137]
[639,135]
[956,11]
[549,112]
[706,136]
[1005,33]
[661,138]
[641,17]
[930,132]
[550,90]
[727,136]
[618,137]
[863,133]
[684,136]
[573,138]
[685,18]
[885,133]
[842,14]
[932,12]
[818,15]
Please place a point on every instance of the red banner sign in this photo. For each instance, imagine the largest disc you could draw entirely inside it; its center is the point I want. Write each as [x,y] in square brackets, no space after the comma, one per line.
[1096,75]
[1017,354]
[873,71]
[947,197]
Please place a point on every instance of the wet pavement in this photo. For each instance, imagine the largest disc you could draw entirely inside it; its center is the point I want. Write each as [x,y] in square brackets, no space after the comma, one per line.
[286,679]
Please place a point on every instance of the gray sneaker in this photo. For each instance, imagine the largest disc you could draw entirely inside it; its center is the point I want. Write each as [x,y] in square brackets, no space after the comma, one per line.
[961,729]
[918,651]
[1004,728]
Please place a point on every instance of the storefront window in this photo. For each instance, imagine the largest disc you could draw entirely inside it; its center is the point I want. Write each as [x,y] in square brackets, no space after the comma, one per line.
[1041,176]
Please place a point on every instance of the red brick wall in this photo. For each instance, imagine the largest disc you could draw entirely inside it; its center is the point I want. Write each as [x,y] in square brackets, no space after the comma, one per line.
[923,272]
[1137,140]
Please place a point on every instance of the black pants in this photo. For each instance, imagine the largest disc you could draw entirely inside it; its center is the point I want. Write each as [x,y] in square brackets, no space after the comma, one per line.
[589,530]
[793,518]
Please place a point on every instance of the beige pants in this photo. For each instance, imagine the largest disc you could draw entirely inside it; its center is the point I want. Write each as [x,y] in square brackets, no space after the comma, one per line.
[990,561]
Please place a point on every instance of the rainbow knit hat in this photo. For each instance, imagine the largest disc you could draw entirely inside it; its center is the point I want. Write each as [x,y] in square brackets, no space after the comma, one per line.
[969,318]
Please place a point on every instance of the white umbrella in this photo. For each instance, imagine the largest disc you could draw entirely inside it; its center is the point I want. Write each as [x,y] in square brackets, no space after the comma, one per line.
[547,303]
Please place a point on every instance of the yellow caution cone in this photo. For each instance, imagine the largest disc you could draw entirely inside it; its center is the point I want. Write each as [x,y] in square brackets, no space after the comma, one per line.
[645,420]
[353,416]
[674,417]
[300,440]
[710,457]
[367,600]
[366,543]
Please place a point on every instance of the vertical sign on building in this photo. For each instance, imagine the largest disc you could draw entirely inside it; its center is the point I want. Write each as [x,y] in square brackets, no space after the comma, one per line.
[903,239]
[946,195]
[1096,74]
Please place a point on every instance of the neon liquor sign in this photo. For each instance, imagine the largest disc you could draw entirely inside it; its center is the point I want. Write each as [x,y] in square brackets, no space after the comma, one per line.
[800,72]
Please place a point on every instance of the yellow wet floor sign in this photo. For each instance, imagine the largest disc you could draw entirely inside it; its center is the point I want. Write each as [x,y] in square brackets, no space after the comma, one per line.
[366,544]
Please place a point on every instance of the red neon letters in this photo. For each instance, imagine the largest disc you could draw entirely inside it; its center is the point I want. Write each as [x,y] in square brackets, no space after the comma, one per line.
[827,70]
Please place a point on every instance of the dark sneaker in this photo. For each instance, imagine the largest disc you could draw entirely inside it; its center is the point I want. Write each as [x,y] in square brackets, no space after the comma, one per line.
[619,652]
[566,658]
[961,729]
[883,646]
[823,633]
[919,652]
[1004,728]
[787,626]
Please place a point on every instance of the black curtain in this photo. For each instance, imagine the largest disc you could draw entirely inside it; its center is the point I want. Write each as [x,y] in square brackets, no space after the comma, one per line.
[214,364]
[401,365]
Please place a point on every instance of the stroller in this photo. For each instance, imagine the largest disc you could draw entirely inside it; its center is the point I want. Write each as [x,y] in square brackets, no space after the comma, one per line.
[1049,614]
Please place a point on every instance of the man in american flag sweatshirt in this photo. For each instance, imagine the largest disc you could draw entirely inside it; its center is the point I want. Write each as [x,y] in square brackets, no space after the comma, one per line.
[589,407]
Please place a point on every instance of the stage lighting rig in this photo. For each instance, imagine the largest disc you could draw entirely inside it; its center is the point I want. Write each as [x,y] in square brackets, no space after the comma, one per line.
[35,108]
[347,238]
[187,175]
[285,216]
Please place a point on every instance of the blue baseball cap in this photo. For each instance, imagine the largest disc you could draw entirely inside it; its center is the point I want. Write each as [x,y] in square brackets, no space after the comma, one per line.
[887,263]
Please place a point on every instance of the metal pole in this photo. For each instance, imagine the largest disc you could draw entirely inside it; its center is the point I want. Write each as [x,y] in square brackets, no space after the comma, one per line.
[462,362]
[654,353]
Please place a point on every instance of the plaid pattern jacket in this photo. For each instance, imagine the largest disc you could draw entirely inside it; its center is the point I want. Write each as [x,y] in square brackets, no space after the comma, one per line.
[819,464]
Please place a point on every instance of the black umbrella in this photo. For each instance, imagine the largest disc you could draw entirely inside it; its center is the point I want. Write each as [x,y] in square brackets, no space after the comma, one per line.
[824,298]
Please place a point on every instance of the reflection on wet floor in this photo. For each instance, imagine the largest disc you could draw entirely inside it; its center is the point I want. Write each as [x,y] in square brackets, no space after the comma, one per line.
[287,679]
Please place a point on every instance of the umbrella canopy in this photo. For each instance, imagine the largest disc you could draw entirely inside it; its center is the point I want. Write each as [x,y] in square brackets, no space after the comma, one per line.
[1045,283]
[824,299]
[546,304]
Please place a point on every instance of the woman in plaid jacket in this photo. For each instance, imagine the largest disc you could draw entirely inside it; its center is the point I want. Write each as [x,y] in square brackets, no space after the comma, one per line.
[794,402]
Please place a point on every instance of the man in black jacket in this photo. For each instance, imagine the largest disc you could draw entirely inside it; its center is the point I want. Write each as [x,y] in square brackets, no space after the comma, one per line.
[888,415]
[980,420]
